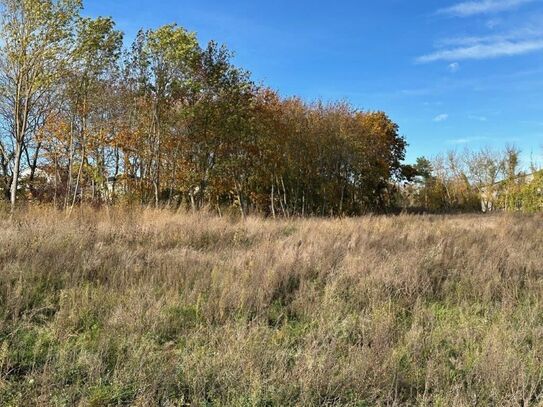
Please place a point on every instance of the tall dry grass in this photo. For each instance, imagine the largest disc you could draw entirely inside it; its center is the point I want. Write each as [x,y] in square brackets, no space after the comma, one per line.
[152,308]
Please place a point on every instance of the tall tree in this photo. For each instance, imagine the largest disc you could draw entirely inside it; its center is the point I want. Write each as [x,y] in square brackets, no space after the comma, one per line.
[36,40]
[94,60]
[162,61]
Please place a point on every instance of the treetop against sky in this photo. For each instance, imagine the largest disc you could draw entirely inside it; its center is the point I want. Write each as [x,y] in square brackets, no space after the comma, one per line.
[450,73]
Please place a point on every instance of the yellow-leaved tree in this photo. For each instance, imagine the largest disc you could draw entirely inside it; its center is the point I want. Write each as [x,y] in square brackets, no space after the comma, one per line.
[36,39]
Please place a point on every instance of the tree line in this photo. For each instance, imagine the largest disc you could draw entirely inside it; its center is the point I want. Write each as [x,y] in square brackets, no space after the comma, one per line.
[167,121]
[474,180]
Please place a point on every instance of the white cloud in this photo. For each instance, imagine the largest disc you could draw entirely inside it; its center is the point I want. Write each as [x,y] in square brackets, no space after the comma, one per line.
[478,118]
[454,67]
[467,140]
[493,23]
[471,8]
[484,51]
[528,32]
[522,40]
[460,141]
[441,117]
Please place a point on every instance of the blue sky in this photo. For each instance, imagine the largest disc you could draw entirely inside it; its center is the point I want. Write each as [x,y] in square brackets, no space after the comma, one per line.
[450,73]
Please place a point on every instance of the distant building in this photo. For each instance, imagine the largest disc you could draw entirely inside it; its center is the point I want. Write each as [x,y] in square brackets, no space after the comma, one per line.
[491,194]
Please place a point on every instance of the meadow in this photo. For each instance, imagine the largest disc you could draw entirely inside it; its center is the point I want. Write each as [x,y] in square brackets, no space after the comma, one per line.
[149,307]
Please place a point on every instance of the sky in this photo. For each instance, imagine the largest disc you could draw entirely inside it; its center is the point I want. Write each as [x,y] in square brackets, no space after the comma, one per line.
[452,74]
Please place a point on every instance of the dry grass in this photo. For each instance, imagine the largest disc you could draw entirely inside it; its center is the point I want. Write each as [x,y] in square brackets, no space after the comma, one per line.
[149,308]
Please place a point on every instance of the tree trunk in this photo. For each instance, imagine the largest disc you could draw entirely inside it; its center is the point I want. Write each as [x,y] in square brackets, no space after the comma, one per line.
[273,199]
[155,187]
[241,208]
[15,178]
[219,206]
[56,182]
[192,202]
[285,197]
[78,181]
[341,200]
[32,163]
[70,166]
[240,200]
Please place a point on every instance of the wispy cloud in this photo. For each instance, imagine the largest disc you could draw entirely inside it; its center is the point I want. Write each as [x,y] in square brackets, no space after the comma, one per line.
[467,140]
[520,41]
[493,23]
[454,67]
[478,118]
[471,8]
[460,141]
[441,117]
[484,51]
[527,32]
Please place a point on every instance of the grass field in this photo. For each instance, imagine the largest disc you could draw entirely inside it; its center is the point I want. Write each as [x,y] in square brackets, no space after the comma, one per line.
[152,308]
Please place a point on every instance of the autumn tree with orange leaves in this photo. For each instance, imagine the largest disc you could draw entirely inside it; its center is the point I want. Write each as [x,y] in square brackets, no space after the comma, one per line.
[168,122]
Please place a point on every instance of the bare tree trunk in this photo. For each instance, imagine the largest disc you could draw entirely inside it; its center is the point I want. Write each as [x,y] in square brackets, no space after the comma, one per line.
[4,164]
[21,121]
[273,199]
[15,178]
[70,166]
[115,176]
[341,200]
[157,131]
[192,202]
[171,181]
[219,207]
[56,182]
[285,197]
[281,203]
[241,206]
[240,200]
[155,188]
[32,165]
[78,180]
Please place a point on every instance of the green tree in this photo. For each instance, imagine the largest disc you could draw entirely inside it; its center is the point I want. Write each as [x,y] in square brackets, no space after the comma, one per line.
[531,194]
[36,41]
[94,60]
[168,53]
